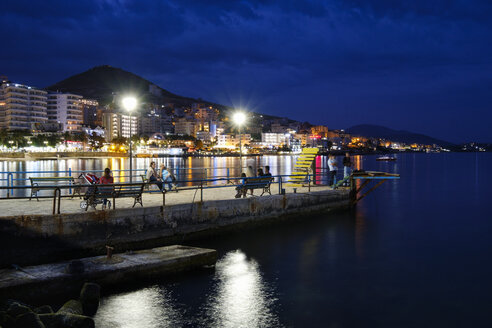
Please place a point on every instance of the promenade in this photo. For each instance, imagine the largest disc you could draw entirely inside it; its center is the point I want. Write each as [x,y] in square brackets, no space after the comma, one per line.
[20,207]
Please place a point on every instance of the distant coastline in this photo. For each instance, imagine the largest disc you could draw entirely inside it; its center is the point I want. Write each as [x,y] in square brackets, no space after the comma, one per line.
[88,155]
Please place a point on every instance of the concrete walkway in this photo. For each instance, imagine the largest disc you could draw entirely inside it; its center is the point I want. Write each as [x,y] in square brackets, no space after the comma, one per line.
[50,279]
[18,207]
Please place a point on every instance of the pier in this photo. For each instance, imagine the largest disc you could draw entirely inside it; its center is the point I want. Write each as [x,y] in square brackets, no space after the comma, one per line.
[80,232]
[56,227]
[56,278]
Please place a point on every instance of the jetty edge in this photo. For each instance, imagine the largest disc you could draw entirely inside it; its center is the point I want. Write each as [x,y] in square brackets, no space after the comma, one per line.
[60,279]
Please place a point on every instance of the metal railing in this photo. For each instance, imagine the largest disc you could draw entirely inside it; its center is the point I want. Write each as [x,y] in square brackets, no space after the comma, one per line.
[9,181]
[194,184]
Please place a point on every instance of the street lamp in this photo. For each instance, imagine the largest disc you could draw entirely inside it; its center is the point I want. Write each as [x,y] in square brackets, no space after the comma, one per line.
[130,103]
[239,118]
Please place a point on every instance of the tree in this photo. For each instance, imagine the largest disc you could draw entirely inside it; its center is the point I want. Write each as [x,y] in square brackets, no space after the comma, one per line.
[198,144]
[95,141]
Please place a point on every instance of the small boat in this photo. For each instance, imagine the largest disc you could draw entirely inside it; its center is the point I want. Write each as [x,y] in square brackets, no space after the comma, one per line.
[386,158]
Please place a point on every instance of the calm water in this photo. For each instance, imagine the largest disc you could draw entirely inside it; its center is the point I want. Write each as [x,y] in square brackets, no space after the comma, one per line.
[415,253]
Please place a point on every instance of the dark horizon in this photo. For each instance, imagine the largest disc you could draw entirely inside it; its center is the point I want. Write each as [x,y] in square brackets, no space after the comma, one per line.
[422,67]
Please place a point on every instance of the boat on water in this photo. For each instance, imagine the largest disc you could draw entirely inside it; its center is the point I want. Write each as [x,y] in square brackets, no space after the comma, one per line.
[386,158]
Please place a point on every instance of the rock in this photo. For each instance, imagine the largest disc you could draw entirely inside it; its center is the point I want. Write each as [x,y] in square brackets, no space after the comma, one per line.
[29,320]
[71,307]
[15,310]
[64,320]
[6,321]
[89,297]
[43,309]
[75,267]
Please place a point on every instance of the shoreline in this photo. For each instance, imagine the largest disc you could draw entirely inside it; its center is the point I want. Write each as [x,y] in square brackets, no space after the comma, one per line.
[90,155]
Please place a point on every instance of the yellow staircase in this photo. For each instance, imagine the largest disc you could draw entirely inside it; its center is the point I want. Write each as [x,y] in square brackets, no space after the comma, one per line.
[302,166]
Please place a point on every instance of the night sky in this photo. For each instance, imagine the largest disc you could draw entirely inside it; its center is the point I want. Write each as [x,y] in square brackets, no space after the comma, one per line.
[423,66]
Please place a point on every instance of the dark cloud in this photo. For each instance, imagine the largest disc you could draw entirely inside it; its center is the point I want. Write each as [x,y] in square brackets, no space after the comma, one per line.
[339,62]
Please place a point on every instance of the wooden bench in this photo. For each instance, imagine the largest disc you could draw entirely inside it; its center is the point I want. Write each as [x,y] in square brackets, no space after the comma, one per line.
[101,192]
[46,183]
[262,183]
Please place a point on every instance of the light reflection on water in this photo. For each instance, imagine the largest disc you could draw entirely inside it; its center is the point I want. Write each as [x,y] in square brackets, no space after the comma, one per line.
[239,297]
[146,308]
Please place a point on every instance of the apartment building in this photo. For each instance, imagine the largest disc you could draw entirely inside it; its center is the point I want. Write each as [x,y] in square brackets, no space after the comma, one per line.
[118,125]
[21,106]
[232,140]
[91,113]
[184,126]
[275,139]
[64,108]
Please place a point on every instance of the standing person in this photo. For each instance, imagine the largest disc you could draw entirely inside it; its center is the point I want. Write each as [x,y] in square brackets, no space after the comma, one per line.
[250,172]
[166,177]
[347,166]
[107,178]
[152,176]
[332,164]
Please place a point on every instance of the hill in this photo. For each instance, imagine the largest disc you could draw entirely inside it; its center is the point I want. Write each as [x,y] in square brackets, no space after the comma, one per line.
[101,82]
[377,131]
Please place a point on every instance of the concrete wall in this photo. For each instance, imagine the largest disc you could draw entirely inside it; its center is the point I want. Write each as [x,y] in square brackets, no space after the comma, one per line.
[144,227]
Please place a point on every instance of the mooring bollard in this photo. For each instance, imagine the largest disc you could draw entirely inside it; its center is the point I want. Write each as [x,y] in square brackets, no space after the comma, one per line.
[109,252]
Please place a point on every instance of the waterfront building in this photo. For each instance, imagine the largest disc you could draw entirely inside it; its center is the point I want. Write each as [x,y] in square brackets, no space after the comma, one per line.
[118,125]
[21,106]
[319,130]
[185,126]
[303,138]
[271,139]
[230,140]
[205,136]
[91,113]
[65,108]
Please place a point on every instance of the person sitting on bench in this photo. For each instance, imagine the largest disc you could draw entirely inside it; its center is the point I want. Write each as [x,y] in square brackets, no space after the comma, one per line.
[239,189]
[106,179]
[166,177]
[152,176]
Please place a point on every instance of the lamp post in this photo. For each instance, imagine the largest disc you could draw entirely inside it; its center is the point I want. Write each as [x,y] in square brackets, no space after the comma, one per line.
[129,103]
[239,119]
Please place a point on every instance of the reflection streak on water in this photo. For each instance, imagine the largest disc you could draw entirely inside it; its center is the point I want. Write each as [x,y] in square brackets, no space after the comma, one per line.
[146,308]
[241,298]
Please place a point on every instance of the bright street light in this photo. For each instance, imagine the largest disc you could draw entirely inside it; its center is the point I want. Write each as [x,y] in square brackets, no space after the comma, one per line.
[130,103]
[239,118]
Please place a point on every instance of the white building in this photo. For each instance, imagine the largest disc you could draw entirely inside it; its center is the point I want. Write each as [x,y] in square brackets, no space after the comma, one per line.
[65,108]
[232,140]
[184,126]
[21,106]
[271,139]
[118,125]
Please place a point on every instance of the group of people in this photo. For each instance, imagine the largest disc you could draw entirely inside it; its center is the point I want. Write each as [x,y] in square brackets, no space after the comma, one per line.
[250,173]
[160,178]
[164,176]
[333,167]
